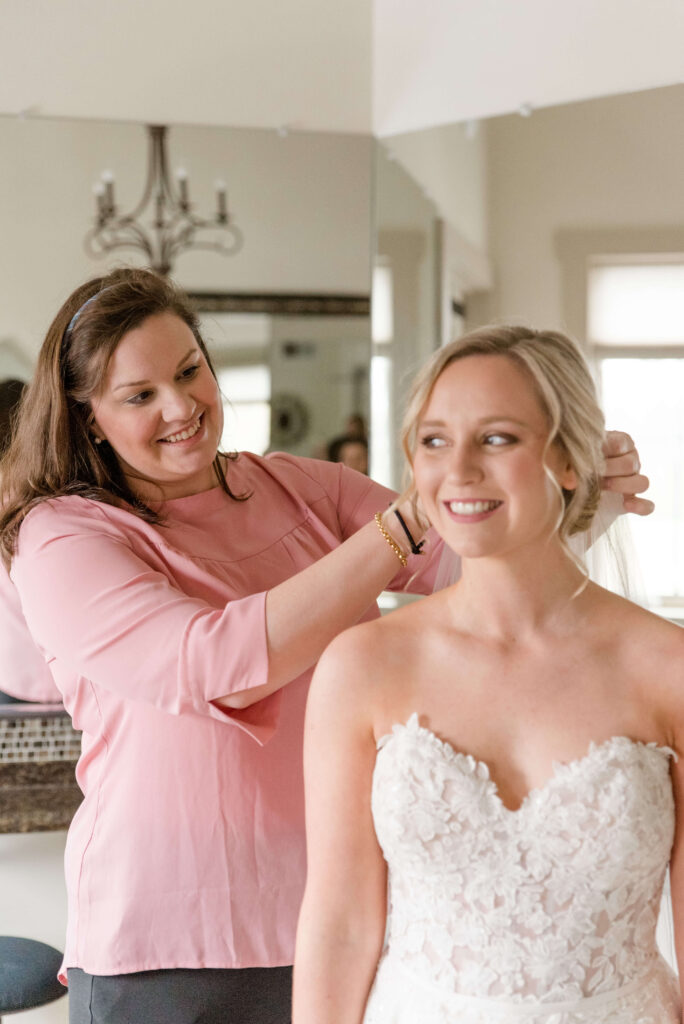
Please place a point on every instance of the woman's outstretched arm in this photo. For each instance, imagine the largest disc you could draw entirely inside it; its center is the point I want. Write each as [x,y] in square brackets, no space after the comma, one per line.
[342,920]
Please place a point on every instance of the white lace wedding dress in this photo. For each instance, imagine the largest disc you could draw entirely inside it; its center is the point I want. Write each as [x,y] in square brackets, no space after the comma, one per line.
[545,914]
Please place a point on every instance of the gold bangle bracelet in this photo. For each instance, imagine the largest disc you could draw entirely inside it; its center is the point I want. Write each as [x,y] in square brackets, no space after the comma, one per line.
[390,540]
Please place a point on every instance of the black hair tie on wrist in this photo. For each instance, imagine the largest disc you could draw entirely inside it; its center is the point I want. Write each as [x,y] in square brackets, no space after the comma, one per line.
[416,549]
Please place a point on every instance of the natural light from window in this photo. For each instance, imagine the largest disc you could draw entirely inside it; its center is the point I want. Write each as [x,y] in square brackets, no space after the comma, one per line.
[645,397]
[636,305]
[246,394]
[633,311]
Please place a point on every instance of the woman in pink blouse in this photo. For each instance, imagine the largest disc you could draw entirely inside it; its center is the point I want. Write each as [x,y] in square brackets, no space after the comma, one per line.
[174,592]
[23,673]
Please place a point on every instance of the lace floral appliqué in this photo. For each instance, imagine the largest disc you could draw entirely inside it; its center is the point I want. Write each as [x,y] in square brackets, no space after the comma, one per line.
[543,914]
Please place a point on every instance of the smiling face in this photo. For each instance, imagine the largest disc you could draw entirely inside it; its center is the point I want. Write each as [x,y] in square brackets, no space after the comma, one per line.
[159,408]
[480,458]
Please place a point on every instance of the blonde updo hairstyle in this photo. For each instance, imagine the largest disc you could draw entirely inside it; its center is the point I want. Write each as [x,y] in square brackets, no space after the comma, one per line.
[567,394]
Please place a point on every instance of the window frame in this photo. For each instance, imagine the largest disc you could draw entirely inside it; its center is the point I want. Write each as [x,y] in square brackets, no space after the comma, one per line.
[598,353]
[575,250]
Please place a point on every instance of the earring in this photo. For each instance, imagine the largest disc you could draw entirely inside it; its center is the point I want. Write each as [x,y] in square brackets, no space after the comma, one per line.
[96,439]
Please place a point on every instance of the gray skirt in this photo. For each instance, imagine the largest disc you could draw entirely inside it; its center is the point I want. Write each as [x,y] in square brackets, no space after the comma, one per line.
[251,995]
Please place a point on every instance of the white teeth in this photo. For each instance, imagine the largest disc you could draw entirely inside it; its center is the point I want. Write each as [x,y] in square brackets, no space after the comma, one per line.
[184,434]
[471,508]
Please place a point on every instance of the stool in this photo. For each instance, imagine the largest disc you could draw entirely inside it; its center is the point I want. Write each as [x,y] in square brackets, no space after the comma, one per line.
[28,974]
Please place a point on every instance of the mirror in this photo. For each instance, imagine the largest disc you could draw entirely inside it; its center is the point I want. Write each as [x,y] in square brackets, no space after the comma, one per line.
[287,316]
[292,377]
[529,217]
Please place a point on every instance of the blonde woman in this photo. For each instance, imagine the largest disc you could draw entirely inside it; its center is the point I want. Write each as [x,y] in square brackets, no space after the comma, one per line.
[504,751]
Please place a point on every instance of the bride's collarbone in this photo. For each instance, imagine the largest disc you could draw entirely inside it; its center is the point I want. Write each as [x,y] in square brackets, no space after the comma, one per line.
[489,697]
[520,726]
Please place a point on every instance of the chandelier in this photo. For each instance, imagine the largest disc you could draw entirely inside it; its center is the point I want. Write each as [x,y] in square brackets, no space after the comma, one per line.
[172,227]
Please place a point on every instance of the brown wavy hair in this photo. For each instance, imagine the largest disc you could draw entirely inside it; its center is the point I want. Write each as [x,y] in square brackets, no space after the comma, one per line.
[566,391]
[52,452]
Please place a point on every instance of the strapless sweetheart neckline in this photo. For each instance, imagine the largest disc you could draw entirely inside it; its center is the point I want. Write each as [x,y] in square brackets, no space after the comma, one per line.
[480,768]
[540,914]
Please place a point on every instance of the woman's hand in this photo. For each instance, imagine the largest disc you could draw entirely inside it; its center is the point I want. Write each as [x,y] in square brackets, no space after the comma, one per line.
[622,473]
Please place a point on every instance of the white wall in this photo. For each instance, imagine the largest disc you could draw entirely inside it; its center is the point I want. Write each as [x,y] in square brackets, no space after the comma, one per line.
[303,203]
[405,223]
[609,163]
[450,164]
[33,902]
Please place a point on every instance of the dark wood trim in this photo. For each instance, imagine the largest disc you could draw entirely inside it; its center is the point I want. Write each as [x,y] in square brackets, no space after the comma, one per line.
[282,303]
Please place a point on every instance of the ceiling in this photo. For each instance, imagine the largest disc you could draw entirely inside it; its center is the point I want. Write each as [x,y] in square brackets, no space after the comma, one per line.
[386,66]
[441,61]
[303,64]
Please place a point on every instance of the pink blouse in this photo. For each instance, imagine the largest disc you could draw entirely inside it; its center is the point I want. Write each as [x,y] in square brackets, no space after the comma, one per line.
[23,671]
[188,848]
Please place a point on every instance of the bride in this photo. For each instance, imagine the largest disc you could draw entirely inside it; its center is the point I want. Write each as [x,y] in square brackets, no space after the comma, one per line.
[493,786]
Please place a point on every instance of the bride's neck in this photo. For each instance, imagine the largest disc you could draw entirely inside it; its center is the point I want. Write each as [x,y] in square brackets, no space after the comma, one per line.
[519,594]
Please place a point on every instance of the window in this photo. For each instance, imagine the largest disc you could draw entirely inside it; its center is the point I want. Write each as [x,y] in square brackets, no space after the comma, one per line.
[635,325]
[246,392]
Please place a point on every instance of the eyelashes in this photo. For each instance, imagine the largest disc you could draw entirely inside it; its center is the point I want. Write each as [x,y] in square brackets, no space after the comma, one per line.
[430,441]
[433,442]
[498,440]
[138,399]
[189,373]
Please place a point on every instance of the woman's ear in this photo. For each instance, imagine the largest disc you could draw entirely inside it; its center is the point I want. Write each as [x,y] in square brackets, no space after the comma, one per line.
[561,467]
[567,478]
[94,430]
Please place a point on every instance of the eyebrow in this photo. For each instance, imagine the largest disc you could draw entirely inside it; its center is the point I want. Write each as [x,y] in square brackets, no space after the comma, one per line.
[137,383]
[483,422]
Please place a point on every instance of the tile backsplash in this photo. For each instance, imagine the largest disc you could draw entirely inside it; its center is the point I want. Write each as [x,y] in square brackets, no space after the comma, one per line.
[37,738]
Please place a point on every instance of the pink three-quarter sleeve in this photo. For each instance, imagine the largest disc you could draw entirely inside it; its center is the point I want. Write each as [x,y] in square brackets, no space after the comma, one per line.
[24,673]
[114,617]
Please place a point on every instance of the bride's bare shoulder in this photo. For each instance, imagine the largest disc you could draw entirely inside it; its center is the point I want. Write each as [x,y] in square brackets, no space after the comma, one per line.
[632,621]
[644,647]
[366,656]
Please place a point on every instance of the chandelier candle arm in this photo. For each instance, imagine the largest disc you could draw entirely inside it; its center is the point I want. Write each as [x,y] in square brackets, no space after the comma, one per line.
[221,202]
[108,182]
[182,179]
[98,192]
